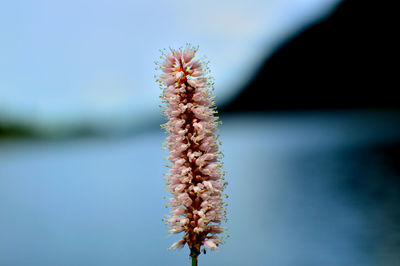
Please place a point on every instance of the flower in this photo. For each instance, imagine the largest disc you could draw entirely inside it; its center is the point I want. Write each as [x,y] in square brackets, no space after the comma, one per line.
[178,245]
[195,178]
[210,244]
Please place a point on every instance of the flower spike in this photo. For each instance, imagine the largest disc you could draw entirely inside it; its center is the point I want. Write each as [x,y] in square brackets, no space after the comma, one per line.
[195,178]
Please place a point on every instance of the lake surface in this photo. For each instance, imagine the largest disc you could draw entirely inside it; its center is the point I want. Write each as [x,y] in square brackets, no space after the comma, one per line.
[304,189]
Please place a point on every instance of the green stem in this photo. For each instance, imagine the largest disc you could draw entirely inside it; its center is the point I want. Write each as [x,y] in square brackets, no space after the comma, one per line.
[194,259]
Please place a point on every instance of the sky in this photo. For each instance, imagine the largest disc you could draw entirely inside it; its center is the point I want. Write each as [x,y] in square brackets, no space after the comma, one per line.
[67,61]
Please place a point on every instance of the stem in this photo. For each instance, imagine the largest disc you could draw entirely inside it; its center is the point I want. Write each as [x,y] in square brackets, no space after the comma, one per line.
[194,259]
[194,253]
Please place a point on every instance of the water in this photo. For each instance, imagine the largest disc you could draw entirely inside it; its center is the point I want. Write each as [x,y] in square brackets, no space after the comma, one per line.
[304,189]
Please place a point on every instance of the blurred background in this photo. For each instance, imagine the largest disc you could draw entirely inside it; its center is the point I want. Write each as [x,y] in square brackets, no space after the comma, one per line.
[311,131]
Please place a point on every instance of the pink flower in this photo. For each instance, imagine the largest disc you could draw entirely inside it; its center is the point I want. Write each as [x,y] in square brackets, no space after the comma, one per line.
[178,245]
[195,179]
[210,244]
[188,55]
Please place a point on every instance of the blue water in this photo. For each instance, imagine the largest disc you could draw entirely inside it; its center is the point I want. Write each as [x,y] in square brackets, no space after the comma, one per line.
[304,189]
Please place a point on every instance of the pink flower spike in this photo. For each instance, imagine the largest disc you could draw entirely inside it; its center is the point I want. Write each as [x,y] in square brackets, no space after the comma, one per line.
[195,178]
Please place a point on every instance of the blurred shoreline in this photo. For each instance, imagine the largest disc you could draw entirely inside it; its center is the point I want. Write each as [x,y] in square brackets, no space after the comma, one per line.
[14,131]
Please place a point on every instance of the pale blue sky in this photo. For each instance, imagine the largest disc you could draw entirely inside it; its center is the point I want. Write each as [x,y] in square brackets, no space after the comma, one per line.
[62,61]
